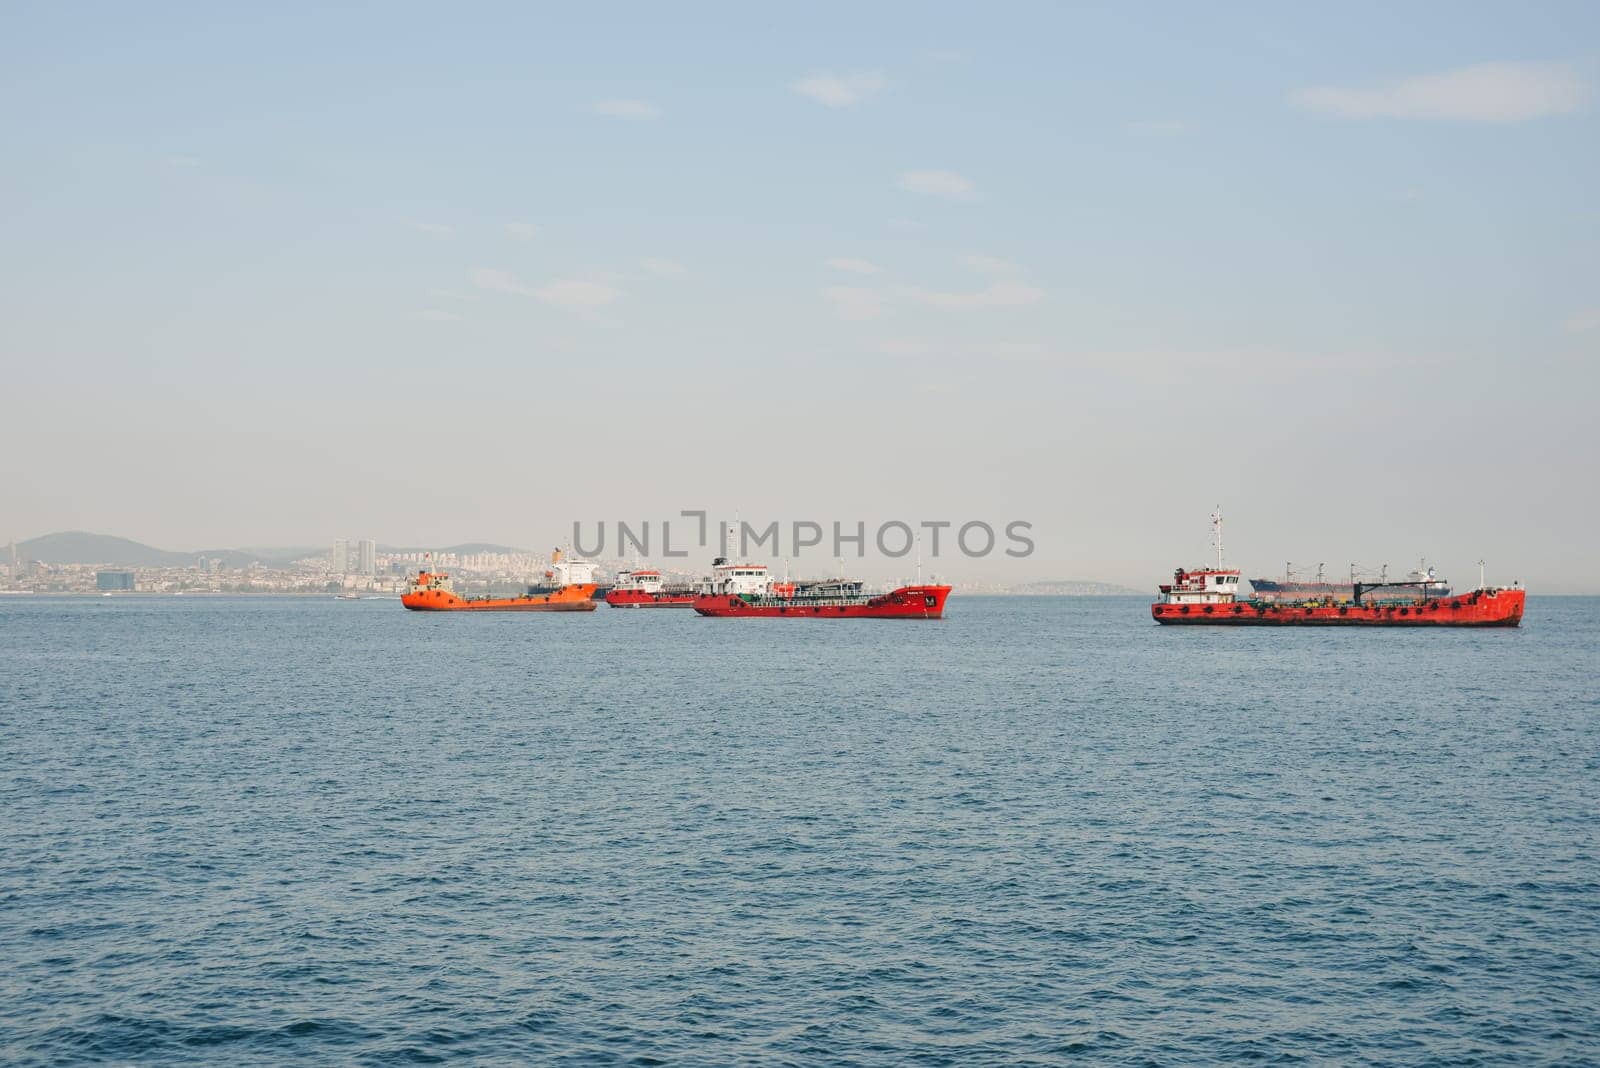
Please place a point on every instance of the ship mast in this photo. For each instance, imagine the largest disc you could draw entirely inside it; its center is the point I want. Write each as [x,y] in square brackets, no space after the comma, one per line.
[1216,528]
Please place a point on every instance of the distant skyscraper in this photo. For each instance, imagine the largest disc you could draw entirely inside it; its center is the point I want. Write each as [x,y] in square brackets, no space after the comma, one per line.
[368,552]
[339,559]
[113,580]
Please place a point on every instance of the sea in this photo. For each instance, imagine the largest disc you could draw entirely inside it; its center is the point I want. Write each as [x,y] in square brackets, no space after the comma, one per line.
[264,831]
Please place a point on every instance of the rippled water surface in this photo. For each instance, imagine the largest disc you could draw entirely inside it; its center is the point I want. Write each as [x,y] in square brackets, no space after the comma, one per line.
[254,831]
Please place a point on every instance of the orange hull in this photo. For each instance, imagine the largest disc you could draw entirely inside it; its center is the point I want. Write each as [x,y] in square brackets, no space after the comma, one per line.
[578,598]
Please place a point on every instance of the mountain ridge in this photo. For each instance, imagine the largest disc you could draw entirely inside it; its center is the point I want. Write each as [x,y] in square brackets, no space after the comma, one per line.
[83,547]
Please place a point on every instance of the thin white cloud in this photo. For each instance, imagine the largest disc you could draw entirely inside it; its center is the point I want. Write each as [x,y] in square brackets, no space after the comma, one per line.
[1584,320]
[1158,127]
[905,347]
[839,90]
[996,295]
[498,281]
[1486,92]
[853,302]
[627,109]
[852,266]
[521,231]
[571,293]
[662,268]
[938,183]
[990,264]
[994,350]
[432,229]
[1010,350]
[1170,366]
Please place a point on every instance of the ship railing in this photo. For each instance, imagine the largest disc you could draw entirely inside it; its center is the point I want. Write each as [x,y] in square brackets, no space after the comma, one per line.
[1345,602]
[767,600]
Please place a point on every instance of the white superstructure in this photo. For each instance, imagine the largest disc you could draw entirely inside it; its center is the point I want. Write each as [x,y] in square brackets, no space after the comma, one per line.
[729,579]
[1206,585]
[568,570]
[644,581]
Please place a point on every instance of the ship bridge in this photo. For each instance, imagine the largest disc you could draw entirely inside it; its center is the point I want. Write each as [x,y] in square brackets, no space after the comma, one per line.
[1204,585]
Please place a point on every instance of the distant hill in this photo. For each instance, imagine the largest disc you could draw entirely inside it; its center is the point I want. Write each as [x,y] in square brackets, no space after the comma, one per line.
[271,556]
[81,547]
[460,550]
[1075,588]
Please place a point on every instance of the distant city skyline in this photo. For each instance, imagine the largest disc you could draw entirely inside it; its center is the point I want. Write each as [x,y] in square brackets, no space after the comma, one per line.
[282,276]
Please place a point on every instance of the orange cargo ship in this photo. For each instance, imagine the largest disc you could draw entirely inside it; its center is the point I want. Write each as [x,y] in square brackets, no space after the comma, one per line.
[569,586]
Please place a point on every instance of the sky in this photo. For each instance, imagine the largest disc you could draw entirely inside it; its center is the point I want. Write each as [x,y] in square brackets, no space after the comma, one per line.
[277,275]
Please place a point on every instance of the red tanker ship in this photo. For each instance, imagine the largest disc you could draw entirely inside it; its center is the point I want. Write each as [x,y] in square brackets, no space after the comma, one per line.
[749,590]
[645,589]
[1210,596]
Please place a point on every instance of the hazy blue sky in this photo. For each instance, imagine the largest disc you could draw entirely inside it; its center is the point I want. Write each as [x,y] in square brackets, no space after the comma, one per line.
[431,273]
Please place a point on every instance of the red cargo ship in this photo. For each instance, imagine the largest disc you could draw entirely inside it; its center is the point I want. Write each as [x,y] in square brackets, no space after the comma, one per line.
[749,590]
[645,589]
[1210,596]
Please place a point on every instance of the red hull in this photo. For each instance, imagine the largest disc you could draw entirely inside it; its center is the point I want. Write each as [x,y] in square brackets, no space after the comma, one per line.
[642,599]
[907,602]
[1481,608]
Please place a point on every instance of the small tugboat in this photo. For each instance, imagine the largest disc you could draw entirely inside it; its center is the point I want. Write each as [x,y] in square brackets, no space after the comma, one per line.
[568,587]
[1210,596]
[749,590]
[643,588]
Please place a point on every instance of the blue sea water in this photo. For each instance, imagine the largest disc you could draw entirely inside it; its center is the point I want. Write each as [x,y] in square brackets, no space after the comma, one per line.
[263,831]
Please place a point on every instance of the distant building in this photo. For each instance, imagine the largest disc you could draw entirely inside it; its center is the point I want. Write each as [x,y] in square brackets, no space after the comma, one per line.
[339,559]
[367,550]
[113,580]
